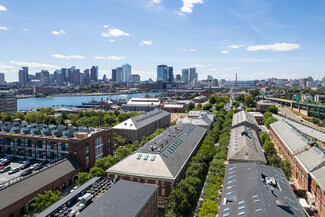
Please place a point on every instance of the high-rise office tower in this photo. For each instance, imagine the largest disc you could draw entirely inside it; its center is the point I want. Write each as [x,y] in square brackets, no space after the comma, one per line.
[178,78]
[23,76]
[86,77]
[193,77]
[185,75]
[94,73]
[114,75]
[76,77]
[45,77]
[2,79]
[126,73]
[165,74]
[119,71]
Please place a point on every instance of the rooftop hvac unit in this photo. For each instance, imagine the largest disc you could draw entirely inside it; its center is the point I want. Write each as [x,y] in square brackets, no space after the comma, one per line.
[270,181]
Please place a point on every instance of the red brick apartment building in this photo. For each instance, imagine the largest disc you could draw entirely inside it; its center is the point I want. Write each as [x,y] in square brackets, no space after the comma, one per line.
[163,160]
[51,142]
[307,162]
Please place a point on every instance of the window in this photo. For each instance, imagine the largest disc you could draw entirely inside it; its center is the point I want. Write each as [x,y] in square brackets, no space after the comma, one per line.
[163,192]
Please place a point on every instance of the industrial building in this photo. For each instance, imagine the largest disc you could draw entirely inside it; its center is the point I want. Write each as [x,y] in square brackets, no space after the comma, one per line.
[142,125]
[203,119]
[244,118]
[307,161]
[52,142]
[244,146]
[163,160]
[141,104]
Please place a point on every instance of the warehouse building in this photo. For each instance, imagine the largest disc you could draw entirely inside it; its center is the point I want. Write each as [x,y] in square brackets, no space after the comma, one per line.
[142,125]
[252,189]
[163,160]
[244,118]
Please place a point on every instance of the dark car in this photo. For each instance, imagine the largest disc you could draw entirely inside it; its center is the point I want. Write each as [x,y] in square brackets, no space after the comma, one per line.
[24,166]
[4,163]
[27,161]
[27,172]
[21,160]
[6,169]
[13,171]
[38,166]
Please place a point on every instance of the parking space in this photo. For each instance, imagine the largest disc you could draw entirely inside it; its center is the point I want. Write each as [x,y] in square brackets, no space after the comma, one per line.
[5,176]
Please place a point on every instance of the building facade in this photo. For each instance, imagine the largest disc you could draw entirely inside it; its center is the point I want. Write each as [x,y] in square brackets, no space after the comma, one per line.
[162,161]
[8,101]
[41,142]
[142,125]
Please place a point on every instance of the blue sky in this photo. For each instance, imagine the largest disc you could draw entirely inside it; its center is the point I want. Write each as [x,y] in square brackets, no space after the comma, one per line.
[255,38]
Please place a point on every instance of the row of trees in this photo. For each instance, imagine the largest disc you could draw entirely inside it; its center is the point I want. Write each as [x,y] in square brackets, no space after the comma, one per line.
[102,164]
[268,119]
[271,154]
[216,172]
[184,196]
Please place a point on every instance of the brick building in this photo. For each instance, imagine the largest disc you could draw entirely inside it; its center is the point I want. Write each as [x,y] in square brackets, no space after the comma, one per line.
[142,125]
[263,105]
[163,160]
[307,161]
[51,142]
[16,198]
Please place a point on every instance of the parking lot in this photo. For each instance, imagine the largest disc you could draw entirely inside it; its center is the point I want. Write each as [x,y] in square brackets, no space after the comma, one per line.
[4,177]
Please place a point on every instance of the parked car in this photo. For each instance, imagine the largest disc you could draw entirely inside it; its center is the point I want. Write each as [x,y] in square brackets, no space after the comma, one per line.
[24,166]
[38,166]
[293,187]
[33,166]
[27,161]
[15,170]
[1,167]
[27,172]
[21,160]
[6,169]
[5,163]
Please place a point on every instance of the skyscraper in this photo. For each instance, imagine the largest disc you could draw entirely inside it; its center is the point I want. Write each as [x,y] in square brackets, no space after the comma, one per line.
[126,73]
[2,79]
[185,75]
[119,71]
[94,73]
[193,77]
[86,77]
[114,75]
[165,74]
[23,76]
[76,77]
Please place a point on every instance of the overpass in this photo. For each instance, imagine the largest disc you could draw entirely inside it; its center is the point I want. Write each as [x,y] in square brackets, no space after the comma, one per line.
[308,109]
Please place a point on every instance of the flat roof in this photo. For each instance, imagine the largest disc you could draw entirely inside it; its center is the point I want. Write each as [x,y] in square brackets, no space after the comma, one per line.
[246,192]
[67,198]
[29,185]
[124,199]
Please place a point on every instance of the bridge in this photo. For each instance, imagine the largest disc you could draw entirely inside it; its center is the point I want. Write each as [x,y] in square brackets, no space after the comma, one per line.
[308,109]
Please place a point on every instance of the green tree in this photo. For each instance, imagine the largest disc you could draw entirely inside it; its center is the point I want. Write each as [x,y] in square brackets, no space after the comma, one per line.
[190,106]
[249,101]
[31,117]
[273,109]
[42,201]
[255,93]
[64,115]
[20,115]
[123,116]
[97,172]
[209,209]
[110,119]
[179,204]
[213,99]
[83,178]
[207,107]
[266,115]
[269,121]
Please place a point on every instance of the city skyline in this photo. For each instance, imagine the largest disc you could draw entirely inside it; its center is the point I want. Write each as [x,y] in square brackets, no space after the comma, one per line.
[254,38]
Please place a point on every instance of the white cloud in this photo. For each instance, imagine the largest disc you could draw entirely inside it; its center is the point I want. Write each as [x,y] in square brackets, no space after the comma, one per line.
[4,28]
[189,4]
[198,65]
[58,32]
[274,47]
[108,58]
[145,43]
[105,26]
[156,1]
[2,8]
[113,32]
[112,40]
[24,29]
[3,66]
[213,70]
[60,56]
[34,64]
[236,46]
[187,50]
[224,51]
[231,68]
